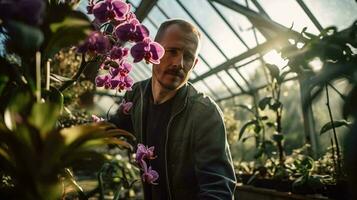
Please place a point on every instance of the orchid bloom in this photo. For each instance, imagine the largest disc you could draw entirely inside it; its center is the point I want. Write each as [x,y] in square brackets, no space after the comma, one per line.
[150,51]
[121,83]
[125,106]
[123,69]
[110,10]
[131,31]
[144,152]
[150,175]
[118,53]
[95,43]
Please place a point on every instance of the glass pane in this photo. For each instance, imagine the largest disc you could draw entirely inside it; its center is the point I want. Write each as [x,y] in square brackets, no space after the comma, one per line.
[340,13]
[202,88]
[292,15]
[201,67]
[238,78]
[135,3]
[215,27]
[152,28]
[273,57]
[217,86]
[241,25]
[254,73]
[229,82]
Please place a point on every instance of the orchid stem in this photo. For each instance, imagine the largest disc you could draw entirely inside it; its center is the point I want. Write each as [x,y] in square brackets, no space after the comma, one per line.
[48,72]
[38,76]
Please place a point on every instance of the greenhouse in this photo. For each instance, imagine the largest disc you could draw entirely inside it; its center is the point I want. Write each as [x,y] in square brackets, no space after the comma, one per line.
[178,99]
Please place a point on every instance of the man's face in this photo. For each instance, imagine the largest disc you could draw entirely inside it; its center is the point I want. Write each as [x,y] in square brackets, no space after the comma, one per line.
[179,59]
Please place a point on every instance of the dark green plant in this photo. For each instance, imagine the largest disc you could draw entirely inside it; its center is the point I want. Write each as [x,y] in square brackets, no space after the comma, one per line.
[337,52]
[35,151]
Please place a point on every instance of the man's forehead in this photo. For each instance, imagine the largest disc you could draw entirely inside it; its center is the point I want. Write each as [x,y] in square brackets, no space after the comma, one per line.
[176,32]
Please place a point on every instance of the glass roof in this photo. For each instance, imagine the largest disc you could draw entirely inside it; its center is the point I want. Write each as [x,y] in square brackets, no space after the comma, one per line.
[231,59]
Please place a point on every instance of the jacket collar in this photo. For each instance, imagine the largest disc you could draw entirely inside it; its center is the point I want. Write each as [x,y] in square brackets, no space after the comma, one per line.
[181,97]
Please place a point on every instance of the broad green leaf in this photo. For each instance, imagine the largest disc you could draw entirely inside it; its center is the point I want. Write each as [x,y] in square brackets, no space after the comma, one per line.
[44,116]
[25,38]
[328,126]
[274,71]
[73,29]
[3,81]
[244,127]
[281,78]
[275,106]
[264,102]
[54,96]
[278,137]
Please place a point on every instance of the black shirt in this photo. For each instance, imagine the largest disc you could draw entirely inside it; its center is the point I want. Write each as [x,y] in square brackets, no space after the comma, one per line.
[157,119]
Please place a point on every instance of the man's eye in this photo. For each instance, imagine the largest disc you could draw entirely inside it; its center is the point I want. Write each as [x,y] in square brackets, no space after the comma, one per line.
[172,51]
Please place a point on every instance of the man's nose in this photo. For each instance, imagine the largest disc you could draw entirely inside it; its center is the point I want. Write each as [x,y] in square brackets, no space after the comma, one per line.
[178,61]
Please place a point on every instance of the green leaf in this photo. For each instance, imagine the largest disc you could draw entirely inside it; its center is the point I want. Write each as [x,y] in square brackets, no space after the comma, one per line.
[69,32]
[278,137]
[328,126]
[60,78]
[281,78]
[3,81]
[264,102]
[274,71]
[275,106]
[44,116]
[244,127]
[246,138]
[270,124]
[257,127]
[54,96]
[23,37]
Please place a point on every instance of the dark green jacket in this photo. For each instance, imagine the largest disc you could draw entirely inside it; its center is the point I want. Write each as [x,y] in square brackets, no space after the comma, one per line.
[198,160]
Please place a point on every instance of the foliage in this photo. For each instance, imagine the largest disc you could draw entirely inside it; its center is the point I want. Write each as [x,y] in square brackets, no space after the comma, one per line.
[337,52]
[36,152]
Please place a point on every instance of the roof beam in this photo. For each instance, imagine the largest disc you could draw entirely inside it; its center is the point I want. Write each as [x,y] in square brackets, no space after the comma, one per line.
[144,8]
[266,26]
[273,43]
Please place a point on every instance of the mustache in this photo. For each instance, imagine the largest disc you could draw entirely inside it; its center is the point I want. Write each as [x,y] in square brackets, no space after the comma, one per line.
[175,72]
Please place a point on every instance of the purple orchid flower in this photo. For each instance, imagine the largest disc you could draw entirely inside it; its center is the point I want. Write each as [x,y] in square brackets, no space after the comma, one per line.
[118,53]
[121,83]
[131,31]
[144,152]
[149,176]
[110,10]
[125,107]
[103,81]
[123,69]
[150,51]
[96,119]
[95,43]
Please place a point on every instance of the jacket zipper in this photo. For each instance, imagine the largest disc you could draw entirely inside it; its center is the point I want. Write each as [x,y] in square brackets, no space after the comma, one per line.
[141,114]
[166,142]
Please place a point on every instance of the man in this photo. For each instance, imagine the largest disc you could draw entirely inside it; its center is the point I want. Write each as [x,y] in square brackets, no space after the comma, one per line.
[185,127]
